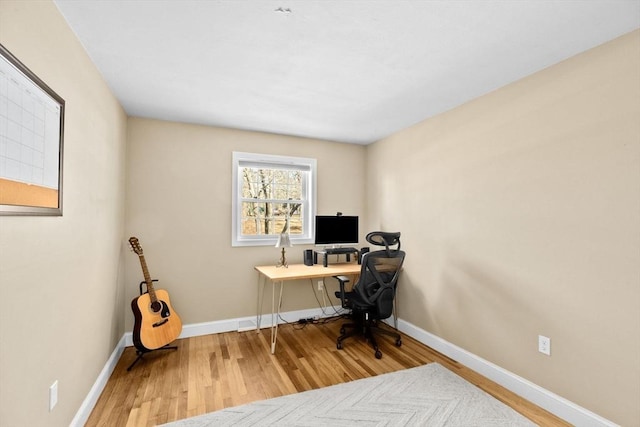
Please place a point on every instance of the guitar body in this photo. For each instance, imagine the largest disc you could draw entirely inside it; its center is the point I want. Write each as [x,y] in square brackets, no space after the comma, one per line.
[156,323]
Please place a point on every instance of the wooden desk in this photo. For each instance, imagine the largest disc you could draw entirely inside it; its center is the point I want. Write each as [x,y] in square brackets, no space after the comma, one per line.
[293,272]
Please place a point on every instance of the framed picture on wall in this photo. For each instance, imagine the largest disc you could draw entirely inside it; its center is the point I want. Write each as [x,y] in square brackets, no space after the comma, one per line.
[31,141]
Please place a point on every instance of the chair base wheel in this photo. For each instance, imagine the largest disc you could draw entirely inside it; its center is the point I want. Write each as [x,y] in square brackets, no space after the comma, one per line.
[378,354]
[339,345]
[398,342]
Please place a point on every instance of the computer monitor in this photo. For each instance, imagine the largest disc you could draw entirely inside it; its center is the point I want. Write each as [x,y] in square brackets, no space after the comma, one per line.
[336,230]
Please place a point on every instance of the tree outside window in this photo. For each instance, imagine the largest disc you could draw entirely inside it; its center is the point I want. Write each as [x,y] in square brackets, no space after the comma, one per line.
[271,201]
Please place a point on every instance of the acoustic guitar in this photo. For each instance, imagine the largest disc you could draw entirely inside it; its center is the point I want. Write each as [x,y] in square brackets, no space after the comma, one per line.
[156,322]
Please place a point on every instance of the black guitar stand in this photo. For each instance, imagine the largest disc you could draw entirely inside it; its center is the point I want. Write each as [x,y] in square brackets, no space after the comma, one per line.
[140,353]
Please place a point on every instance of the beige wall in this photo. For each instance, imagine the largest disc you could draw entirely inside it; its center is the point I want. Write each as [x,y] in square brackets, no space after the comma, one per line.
[62,305]
[179,206]
[519,214]
[520,217]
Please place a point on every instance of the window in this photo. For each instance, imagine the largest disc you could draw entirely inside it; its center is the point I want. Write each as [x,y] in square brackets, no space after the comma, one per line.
[271,195]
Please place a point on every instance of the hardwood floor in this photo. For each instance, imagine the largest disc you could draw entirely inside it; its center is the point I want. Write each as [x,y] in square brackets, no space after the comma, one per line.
[218,371]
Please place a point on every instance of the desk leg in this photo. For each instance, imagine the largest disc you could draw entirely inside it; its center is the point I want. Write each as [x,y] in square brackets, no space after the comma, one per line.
[275,312]
[260,301]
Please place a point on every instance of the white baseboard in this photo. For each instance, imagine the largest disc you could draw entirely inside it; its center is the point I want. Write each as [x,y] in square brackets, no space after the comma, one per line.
[547,400]
[92,398]
[206,328]
[242,324]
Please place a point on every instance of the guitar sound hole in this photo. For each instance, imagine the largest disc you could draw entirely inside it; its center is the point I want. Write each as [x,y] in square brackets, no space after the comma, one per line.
[156,306]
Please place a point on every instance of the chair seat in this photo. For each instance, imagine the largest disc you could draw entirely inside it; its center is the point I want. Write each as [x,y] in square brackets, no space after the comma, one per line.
[355,301]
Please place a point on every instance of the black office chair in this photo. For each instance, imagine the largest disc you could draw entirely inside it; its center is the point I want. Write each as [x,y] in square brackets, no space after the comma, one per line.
[372,298]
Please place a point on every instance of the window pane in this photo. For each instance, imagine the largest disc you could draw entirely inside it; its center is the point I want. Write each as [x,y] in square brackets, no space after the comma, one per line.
[281,192]
[280,176]
[263,218]
[253,209]
[250,226]
[295,221]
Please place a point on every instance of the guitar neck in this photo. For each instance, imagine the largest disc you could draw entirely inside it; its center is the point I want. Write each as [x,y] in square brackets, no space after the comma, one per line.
[147,278]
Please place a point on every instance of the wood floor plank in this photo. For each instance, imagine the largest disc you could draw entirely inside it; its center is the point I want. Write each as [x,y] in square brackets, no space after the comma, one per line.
[212,372]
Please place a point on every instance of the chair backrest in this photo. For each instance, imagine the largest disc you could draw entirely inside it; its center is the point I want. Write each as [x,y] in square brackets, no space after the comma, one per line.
[379,273]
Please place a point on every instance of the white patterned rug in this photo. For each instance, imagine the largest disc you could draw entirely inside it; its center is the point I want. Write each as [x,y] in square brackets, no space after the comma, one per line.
[428,395]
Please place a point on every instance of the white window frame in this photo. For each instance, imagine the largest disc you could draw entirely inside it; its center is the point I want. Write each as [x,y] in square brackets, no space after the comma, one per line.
[308,165]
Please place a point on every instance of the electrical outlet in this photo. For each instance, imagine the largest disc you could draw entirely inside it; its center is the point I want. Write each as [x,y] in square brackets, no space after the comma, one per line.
[320,285]
[53,395]
[544,345]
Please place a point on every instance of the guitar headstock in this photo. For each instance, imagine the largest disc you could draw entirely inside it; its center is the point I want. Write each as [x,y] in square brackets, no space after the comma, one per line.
[135,245]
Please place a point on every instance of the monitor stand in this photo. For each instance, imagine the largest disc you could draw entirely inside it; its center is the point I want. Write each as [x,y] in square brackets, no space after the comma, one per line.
[333,251]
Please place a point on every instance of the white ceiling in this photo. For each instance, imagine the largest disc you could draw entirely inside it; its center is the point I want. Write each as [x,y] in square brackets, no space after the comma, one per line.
[350,71]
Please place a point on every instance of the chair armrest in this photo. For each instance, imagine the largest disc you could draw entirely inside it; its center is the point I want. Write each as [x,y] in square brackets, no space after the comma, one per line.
[342,280]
